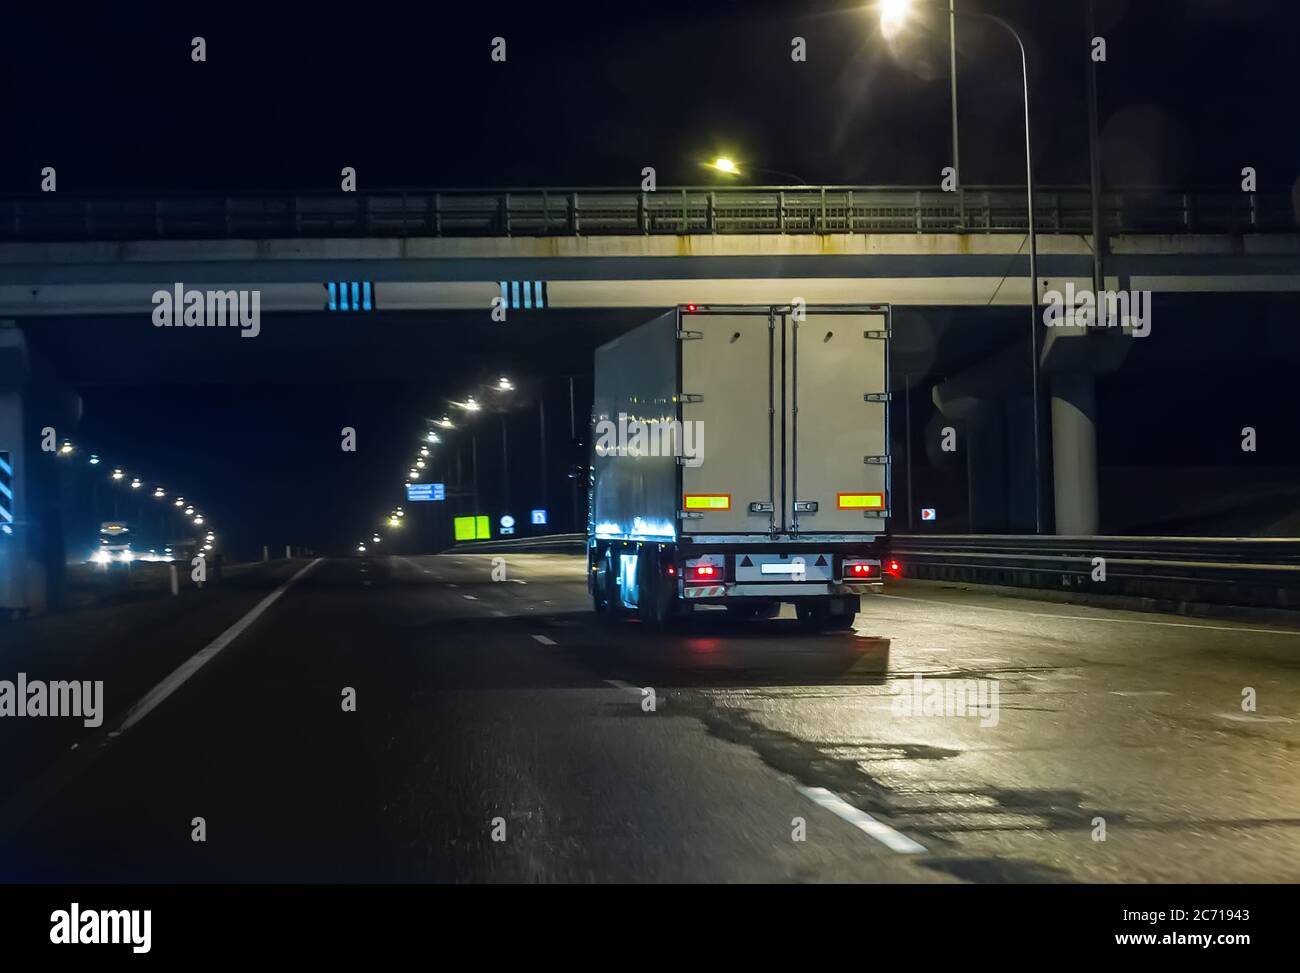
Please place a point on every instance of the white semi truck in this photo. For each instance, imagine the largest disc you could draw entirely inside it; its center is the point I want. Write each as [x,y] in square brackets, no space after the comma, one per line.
[741,458]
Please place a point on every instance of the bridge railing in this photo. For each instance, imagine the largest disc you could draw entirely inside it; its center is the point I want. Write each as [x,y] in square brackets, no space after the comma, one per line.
[605,211]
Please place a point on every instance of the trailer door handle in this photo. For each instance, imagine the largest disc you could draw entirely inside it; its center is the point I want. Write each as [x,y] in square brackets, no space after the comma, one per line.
[805,506]
[760,507]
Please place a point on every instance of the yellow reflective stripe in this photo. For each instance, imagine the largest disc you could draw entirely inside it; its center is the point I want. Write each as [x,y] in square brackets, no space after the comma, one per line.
[861,501]
[708,501]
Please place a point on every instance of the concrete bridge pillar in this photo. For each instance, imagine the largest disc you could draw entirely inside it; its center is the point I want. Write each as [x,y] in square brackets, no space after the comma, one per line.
[1074,453]
[32,555]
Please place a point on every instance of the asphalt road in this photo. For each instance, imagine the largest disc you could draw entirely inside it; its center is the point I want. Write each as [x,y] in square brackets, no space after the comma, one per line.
[503,733]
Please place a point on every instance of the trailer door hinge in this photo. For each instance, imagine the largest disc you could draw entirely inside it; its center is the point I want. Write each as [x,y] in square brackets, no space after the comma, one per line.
[689,335]
[686,397]
[875,397]
[876,335]
[876,460]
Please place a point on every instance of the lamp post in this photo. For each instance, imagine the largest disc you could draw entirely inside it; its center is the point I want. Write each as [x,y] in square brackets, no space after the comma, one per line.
[893,17]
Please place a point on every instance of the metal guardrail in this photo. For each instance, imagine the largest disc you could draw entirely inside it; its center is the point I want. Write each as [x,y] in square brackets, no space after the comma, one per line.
[1255,572]
[606,211]
[524,545]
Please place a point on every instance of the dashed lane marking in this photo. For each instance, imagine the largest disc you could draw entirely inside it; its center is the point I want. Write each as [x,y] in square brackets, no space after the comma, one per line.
[887,836]
[544,640]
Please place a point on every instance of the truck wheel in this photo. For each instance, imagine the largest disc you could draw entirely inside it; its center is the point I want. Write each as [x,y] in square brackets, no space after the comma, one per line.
[604,590]
[657,604]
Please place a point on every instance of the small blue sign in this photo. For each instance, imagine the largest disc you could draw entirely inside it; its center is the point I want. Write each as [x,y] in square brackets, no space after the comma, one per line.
[539,517]
[417,492]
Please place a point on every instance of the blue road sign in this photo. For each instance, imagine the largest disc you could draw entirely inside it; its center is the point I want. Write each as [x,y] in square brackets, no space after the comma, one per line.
[417,492]
[539,517]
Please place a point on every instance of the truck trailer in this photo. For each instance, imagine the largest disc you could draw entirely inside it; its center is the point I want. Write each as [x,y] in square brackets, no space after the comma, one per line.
[741,458]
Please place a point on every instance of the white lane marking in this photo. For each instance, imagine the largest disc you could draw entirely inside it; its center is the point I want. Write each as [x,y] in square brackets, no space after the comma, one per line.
[1093,618]
[625,686]
[498,613]
[1253,718]
[544,640]
[450,585]
[194,663]
[517,581]
[469,597]
[887,836]
[1139,692]
[21,806]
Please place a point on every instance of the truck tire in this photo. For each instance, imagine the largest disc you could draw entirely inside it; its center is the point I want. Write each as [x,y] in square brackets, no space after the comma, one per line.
[604,590]
[657,599]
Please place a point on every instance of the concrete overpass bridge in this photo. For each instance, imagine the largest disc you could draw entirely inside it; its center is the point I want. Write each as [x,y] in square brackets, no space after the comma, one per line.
[613,247]
[457,250]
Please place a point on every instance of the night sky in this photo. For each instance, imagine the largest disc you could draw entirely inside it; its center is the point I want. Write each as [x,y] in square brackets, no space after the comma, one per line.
[1192,91]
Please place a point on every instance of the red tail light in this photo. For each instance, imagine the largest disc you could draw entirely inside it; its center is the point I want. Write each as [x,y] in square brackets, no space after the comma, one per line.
[894,568]
[704,572]
[690,308]
[859,570]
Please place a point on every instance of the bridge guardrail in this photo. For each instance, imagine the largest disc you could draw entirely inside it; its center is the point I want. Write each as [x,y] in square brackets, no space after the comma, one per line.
[546,543]
[1252,572]
[604,211]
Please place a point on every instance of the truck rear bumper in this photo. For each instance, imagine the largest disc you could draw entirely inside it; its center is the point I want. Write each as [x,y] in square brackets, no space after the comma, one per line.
[778,592]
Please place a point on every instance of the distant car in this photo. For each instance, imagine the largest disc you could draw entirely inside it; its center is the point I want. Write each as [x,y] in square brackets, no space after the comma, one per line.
[114,544]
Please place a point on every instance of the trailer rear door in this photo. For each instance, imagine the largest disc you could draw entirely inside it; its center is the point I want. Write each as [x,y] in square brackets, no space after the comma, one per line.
[729,394]
[837,421]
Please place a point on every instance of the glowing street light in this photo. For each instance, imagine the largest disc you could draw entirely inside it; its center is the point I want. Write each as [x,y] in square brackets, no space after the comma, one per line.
[723,164]
[180,501]
[419,464]
[414,474]
[66,448]
[159,493]
[424,450]
[894,15]
[503,385]
[94,459]
[135,483]
[446,423]
[118,474]
[189,511]
[198,519]
[469,405]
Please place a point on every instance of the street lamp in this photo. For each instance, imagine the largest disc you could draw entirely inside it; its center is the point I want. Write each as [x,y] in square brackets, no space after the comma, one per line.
[503,385]
[135,483]
[94,459]
[894,15]
[729,167]
[118,474]
[159,493]
[180,501]
[66,448]
[446,423]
